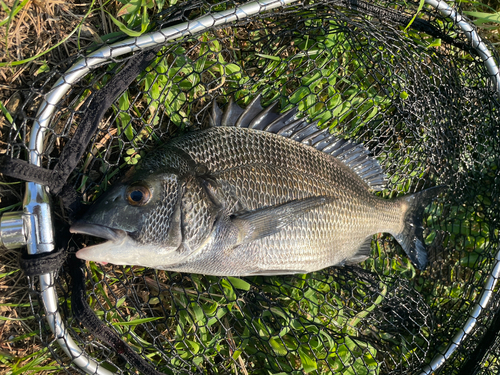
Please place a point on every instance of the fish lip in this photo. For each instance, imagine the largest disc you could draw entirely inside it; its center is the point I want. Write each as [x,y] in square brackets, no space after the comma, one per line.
[101,231]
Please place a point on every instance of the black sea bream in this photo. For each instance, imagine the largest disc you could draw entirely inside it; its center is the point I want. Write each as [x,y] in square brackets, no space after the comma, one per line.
[257,193]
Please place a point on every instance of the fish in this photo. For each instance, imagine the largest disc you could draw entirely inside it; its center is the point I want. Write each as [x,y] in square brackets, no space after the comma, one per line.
[258,192]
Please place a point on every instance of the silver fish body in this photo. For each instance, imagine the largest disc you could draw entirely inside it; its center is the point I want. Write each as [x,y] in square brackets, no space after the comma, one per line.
[275,195]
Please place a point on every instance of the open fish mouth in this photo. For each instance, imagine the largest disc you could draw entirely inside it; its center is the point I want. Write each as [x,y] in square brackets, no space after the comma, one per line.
[98,231]
[120,248]
[101,252]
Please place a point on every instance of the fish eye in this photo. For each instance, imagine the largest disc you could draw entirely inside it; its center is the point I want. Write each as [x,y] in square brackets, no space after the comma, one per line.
[138,195]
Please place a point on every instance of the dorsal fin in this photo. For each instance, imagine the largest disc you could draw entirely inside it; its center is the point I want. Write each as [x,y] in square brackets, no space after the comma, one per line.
[231,114]
[216,115]
[282,120]
[354,155]
[252,110]
[264,118]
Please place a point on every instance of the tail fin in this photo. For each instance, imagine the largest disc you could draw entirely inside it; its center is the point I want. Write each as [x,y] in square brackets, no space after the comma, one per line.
[411,239]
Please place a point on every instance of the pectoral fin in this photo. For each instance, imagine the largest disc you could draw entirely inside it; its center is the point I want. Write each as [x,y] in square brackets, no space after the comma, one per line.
[266,221]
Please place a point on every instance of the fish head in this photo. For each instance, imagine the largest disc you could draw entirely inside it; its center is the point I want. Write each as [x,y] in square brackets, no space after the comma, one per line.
[140,219]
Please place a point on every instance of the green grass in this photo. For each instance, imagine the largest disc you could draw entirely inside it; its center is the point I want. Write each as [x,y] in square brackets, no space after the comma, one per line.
[203,309]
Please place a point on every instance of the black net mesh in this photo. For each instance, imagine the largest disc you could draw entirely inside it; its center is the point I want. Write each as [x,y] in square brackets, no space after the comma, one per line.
[419,98]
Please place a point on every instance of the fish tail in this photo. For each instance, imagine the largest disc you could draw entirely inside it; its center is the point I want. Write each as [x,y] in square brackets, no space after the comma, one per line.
[411,238]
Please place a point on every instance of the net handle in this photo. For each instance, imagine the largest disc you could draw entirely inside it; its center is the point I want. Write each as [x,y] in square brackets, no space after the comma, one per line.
[37,207]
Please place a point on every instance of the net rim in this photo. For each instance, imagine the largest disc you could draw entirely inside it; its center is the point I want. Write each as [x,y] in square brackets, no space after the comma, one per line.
[477,43]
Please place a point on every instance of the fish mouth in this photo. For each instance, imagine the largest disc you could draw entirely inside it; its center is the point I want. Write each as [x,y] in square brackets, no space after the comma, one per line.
[99,253]
[107,233]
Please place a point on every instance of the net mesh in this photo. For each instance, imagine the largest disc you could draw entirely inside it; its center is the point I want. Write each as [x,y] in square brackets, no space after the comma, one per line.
[423,104]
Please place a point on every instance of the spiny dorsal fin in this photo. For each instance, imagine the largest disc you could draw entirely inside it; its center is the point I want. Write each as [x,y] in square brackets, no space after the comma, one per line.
[232,113]
[252,110]
[354,155]
[265,117]
[216,115]
[281,121]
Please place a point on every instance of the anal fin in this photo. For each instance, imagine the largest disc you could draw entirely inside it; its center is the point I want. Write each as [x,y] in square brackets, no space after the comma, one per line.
[363,252]
[265,272]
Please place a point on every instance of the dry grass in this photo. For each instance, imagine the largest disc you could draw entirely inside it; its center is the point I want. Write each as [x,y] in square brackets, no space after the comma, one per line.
[14,291]
[37,27]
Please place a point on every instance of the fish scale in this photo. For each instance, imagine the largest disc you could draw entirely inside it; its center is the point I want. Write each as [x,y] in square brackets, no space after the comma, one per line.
[156,224]
[245,201]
